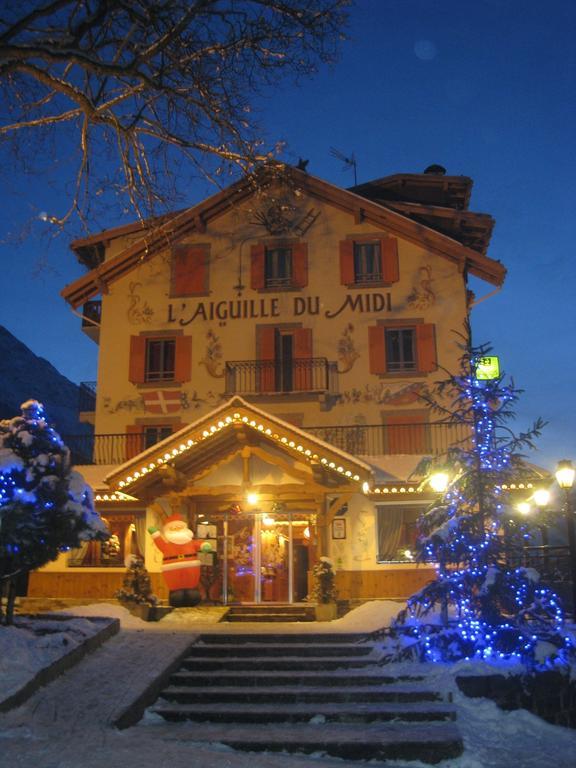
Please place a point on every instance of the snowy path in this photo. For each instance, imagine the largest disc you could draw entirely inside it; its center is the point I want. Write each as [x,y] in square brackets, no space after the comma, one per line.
[68,723]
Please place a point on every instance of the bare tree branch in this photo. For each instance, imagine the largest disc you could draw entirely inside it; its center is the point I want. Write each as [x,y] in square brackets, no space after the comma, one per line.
[149,86]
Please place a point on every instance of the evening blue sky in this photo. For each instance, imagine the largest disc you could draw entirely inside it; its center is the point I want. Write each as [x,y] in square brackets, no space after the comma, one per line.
[483,87]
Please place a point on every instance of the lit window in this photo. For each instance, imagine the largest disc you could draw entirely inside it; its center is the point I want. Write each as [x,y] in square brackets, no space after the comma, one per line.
[160,360]
[397,531]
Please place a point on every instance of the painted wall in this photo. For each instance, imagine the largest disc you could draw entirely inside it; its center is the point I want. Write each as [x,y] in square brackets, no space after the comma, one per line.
[430,289]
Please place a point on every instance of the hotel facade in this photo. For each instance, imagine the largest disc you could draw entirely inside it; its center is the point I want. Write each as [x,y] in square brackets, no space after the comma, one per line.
[262,361]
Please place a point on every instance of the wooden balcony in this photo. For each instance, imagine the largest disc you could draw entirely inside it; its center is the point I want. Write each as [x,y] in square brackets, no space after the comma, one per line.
[270,377]
[91,314]
[366,440]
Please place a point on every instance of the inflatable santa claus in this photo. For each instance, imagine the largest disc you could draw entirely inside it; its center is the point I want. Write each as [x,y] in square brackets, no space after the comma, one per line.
[180,564]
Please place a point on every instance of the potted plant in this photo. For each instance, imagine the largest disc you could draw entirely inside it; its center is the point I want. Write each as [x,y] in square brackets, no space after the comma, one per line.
[324,590]
[136,593]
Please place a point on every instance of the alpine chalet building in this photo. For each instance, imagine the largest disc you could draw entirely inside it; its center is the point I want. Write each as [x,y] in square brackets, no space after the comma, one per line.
[262,357]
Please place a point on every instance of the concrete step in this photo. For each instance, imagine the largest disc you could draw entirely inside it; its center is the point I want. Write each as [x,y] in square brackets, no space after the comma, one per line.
[340,677]
[201,664]
[263,649]
[427,742]
[305,712]
[297,693]
[283,639]
[237,618]
[264,608]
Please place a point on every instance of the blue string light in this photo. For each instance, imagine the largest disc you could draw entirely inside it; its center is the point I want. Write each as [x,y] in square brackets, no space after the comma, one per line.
[488,610]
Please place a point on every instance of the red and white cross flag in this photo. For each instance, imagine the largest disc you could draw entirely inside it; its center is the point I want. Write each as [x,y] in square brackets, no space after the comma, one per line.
[162,400]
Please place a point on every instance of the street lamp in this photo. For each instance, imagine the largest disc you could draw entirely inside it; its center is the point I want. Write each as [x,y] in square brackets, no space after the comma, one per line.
[565,479]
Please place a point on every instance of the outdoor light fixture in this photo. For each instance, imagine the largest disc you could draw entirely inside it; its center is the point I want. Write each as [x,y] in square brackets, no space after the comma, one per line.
[439,481]
[565,474]
[541,497]
[252,498]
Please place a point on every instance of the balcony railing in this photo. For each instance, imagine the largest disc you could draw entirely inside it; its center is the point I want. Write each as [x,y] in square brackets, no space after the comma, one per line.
[264,377]
[368,440]
[92,312]
[91,316]
[393,439]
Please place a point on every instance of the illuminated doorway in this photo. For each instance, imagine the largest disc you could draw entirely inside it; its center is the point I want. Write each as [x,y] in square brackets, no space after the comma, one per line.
[262,558]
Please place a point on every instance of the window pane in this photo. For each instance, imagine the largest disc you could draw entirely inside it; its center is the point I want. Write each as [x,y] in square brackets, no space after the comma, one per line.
[153,435]
[400,349]
[160,359]
[278,267]
[397,531]
[367,262]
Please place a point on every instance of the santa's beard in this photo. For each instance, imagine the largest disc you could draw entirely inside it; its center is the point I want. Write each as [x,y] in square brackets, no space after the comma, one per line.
[181,536]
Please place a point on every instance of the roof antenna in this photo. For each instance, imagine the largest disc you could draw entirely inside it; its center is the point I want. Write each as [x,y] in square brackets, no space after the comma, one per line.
[349,162]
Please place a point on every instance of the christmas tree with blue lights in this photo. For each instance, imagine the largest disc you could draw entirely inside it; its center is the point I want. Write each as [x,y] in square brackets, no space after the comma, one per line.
[480,606]
[46,507]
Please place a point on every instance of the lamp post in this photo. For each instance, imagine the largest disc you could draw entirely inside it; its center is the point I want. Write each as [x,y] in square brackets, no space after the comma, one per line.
[565,479]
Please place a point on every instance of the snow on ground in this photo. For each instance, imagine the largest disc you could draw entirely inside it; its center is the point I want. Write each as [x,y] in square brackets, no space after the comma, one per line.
[68,724]
[24,652]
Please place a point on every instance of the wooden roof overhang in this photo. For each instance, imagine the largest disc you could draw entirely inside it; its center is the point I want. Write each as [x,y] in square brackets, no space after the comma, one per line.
[432,188]
[202,446]
[196,220]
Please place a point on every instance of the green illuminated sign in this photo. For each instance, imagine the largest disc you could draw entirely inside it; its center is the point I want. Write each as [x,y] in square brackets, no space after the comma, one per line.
[487,368]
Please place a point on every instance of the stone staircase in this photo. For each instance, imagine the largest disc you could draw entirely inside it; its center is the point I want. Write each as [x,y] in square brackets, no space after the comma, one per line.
[276,612]
[304,693]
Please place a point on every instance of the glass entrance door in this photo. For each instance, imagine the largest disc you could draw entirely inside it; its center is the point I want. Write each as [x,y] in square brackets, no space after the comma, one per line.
[265,558]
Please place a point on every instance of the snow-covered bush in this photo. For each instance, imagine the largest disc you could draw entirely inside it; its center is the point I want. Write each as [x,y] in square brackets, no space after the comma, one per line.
[324,587]
[45,506]
[136,586]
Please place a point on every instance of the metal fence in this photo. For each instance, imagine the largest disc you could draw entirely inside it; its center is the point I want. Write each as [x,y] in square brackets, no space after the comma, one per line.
[365,440]
[257,377]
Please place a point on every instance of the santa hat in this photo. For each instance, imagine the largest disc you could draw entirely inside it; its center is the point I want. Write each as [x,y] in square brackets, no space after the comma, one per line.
[174,519]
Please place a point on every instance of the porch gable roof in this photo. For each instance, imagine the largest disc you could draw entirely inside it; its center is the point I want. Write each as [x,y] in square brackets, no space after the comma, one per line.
[234,423]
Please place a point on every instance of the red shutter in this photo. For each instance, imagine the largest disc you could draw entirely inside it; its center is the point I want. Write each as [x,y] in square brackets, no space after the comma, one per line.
[190,270]
[183,362]
[257,267]
[266,348]
[302,355]
[134,441]
[389,256]
[347,262]
[137,364]
[426,347]
[300,265]
[407,433]
[377,348]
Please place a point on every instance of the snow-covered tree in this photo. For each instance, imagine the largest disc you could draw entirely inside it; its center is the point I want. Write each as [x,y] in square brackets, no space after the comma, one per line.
[45,506]
[479,606]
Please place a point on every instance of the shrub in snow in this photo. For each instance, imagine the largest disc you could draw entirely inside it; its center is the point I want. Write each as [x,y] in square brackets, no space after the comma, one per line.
[136,587]
[45,506]
[324,588]
[480,606]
